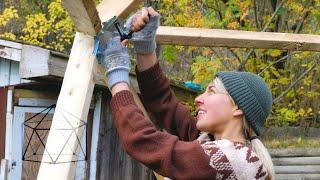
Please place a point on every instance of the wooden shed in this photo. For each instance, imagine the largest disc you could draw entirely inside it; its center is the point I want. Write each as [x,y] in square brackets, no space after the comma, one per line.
[30,82]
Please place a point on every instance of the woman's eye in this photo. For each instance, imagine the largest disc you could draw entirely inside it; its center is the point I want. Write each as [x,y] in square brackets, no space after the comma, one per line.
[211,90]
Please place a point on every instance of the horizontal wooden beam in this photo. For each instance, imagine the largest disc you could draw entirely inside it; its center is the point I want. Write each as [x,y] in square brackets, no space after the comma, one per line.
[296,161]
[120,8]
[295,152]
[84,15]
[306,169]
[10,50]
[237,39]
[297,176]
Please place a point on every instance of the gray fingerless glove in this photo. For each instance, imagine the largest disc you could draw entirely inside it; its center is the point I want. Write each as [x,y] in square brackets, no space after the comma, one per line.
[116,62]
[144,40]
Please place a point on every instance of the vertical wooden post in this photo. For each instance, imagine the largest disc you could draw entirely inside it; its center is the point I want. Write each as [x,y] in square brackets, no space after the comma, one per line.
[71,110]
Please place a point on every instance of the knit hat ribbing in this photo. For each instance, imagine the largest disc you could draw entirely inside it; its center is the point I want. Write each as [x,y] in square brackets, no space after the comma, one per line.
[251,93]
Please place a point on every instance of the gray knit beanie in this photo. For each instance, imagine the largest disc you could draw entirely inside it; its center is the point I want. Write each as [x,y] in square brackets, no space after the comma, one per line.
[251,93]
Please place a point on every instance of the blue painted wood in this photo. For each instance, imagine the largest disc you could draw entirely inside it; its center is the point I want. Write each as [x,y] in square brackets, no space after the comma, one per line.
[9,73]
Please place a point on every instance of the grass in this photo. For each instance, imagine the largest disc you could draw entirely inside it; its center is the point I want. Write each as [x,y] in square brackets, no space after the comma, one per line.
[297,142]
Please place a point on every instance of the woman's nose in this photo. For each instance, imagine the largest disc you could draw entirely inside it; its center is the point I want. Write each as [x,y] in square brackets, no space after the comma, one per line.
[199,99]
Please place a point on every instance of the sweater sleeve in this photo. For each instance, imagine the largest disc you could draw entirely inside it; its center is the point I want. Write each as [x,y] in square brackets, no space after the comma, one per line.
[158,150]
[162,102]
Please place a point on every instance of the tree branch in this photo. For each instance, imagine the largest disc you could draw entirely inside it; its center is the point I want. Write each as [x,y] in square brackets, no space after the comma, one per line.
[299,26]
[227,66]
[244,62]
[292,85]
[275,62]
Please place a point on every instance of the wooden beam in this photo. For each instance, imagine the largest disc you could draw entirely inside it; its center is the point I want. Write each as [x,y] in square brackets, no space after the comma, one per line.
[109,8]
[307,169]
[75,95]
[296,161]
[235,38]
[72,107]
[297,176]
[37,62]
[84,15]
[10,50]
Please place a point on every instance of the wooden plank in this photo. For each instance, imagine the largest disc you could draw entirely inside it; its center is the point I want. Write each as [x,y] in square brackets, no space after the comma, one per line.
[57,64]
[297,161]
[10,50]
[10,53]
[4,72]
[73,105]
[295,152]
[303,169]
[32,146]
[81,172]
[297,176]
[9,73]
[3,110]
[26,93]
[95,137]
[9,129]
[35,102]
[109,8]
[14,73]
[10,44]
[35,58]
[236,38]
[4,169]
[84,15]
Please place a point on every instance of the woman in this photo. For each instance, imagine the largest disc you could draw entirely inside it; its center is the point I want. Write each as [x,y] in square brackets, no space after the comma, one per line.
[220,143]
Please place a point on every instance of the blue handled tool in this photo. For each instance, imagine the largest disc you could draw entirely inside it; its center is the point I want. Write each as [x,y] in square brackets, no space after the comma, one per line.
[193,86]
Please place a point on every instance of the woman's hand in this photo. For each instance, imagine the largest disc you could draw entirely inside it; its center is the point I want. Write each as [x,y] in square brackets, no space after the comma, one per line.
[116,62]
[145,24]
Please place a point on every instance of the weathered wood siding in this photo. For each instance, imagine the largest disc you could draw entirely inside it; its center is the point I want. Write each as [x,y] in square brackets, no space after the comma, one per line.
[9,73]
[3,111]
[296,163]
[113,162]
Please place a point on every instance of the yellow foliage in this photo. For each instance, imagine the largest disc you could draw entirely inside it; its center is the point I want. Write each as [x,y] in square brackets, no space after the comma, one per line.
[233,25]
[7,15]
[275,52]
[8,36]
[55,30]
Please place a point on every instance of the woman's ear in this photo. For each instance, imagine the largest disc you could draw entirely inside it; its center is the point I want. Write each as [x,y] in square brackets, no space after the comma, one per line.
[237,111]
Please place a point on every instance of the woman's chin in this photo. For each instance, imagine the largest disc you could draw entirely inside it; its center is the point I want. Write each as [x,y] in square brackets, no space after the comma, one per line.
[200,126]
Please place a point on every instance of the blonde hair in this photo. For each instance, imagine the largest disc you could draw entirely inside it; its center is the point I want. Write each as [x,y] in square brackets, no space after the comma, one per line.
[259,149]
[257,145]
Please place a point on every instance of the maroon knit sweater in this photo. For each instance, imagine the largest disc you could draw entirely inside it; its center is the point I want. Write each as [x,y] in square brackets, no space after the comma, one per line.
[176,153]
